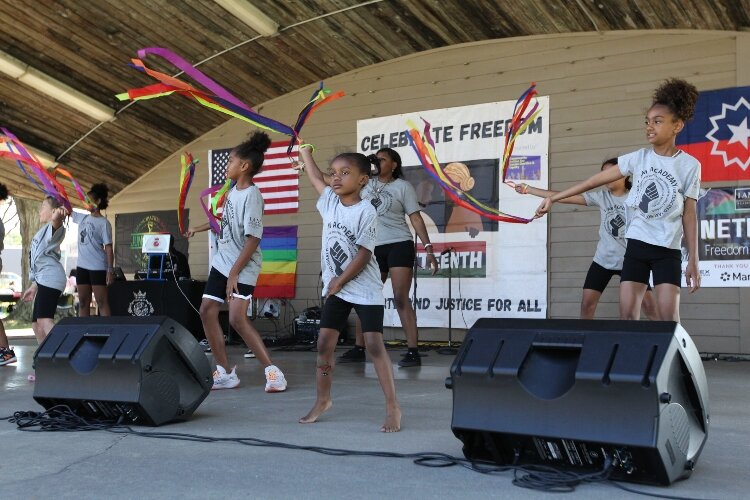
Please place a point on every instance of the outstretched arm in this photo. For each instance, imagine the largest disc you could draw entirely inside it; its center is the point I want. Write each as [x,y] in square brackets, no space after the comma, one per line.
[544,193]
[317,179]
[595,181]
[197,229]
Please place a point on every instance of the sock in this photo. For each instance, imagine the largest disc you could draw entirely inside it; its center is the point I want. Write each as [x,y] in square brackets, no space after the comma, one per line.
[412,350]
[359,347]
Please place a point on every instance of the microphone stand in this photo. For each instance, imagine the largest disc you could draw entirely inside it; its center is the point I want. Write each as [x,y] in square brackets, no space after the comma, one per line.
[450,350]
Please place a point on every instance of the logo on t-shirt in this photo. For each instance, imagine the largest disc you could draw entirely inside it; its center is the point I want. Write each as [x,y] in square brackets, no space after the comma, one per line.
[615,224]
[339,246]
[382,202]
[84,233]
[226,217]
[656,193]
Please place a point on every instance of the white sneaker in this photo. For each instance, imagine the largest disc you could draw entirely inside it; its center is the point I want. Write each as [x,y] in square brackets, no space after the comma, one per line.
[275,380]
[249,354]
[224,380]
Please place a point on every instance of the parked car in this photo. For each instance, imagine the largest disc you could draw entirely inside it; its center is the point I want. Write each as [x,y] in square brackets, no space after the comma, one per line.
[10,287]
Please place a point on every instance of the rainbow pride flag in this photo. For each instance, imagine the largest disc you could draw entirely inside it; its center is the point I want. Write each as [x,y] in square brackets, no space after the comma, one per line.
[278,276]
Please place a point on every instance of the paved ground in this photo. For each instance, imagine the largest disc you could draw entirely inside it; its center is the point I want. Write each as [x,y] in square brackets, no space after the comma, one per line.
[103,465]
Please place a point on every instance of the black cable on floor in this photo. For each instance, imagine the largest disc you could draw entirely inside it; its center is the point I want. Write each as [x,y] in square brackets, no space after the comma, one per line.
[62,418]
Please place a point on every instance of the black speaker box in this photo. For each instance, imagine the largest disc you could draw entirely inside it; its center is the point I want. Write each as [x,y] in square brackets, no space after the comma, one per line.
[147,370]
[579,394]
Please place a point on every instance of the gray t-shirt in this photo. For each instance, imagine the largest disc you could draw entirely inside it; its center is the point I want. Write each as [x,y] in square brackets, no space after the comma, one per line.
[393,201]
[610,251]
[93,234]
[657,200]
[44,259]
[345,229]
[242,217]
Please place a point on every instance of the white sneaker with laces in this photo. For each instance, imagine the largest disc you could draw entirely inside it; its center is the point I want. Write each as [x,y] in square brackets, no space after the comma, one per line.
[275,380]
[224,380]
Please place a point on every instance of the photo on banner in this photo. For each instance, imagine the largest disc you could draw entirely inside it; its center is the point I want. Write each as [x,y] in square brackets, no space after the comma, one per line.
[723,239]
[497,269]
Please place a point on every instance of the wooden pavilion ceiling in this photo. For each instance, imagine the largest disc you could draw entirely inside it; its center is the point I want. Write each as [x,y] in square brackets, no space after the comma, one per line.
[87,44]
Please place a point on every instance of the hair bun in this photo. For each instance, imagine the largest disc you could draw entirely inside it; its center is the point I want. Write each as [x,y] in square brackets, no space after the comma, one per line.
[259,141]
[679,96]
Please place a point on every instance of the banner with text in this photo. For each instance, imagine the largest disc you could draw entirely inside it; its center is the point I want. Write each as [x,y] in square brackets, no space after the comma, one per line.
[494,270]
[723,240]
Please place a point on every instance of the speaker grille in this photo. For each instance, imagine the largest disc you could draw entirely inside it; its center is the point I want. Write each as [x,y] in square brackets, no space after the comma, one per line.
[680,426]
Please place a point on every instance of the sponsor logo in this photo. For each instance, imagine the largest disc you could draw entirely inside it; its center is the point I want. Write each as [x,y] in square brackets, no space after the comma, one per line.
[140,305]
[742,199]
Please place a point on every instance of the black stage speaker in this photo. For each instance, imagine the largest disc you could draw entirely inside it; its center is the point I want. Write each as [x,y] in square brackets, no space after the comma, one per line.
[147,370]
[573,394]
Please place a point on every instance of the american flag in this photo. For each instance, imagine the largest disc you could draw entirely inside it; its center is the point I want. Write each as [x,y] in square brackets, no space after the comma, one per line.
[277,181]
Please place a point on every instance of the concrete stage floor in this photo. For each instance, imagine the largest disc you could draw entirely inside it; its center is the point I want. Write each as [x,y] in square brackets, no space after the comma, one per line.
[103,465]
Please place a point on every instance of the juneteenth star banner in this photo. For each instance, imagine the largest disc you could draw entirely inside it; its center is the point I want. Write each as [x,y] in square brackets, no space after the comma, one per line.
[278,275]
[719,135]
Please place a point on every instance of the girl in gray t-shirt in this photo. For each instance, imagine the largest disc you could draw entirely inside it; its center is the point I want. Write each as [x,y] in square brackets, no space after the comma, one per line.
[46,273]
[394,200]
[351,277]
[610,250]
[236,265]
[95,267]
[661,205]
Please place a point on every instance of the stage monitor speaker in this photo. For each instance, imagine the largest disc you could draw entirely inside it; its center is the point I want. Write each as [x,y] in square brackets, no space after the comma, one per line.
[145,370]
[579,394]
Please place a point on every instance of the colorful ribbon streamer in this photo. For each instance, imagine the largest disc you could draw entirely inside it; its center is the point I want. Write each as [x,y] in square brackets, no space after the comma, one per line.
[187,173]
[22,156]
[218,98]
[79,190]
[424,148]
[519,122]
[319,97]
[216,197]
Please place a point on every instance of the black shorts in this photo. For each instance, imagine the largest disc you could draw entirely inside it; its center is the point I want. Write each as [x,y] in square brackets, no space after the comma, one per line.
[642,258]
[88,277]
[399,254]
[45,302]
[216,288]
[598,277]
[336,313]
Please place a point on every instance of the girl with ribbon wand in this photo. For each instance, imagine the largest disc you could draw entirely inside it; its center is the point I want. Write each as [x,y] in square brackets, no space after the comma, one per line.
[350,275]
[46,273]
[661,205]
[236,266]
[610,250]
[394,200]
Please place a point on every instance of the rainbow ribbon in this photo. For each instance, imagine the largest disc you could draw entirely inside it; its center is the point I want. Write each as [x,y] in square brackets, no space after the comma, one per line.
[186,180]
[217,195]
[319,97]
[519,122]
[424,147]
[217,97]
[79,190]
[22,156]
